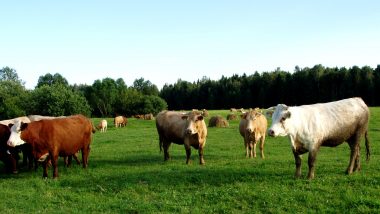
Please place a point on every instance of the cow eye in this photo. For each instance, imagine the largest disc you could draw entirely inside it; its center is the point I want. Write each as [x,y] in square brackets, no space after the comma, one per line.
[283,119]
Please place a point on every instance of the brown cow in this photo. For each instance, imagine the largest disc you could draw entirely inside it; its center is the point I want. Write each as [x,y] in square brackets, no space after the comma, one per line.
[53,138]
[187,129]
[252,128]
[120,121]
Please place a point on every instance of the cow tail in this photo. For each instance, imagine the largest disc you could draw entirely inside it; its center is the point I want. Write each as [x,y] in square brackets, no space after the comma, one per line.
[367,146]
[160,143]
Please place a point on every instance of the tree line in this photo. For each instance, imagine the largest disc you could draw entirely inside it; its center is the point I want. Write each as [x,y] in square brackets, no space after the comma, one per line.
[53,96]
[303,86]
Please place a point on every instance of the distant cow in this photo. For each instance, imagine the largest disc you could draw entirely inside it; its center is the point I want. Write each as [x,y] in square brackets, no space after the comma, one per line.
[252,127]
[311,126]
[188,129]
[120,121]
[148,116]
[102,126]
[53,138]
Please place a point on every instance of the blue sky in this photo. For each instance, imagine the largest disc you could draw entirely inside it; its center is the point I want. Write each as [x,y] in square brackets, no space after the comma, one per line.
[163,41]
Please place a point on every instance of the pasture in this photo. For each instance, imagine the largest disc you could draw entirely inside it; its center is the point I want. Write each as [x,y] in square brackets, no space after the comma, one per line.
[127,174]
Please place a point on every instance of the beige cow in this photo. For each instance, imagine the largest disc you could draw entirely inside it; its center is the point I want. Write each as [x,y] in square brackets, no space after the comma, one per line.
[120,121]
[253,126]
[102,126]
[188,129]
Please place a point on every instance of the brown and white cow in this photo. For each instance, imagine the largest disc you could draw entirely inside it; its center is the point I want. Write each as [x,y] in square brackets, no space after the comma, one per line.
[102,125]
[53,138]
[120,121]
[253,127]
[329,124]
[188,129]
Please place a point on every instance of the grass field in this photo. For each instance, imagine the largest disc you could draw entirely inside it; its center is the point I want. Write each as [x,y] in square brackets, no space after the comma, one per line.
[127,174]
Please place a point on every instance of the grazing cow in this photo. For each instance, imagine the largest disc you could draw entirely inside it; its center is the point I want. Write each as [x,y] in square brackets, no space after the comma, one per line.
[148,116]
[53,138]
[187,129]
[252,127]
[102,126]
[311,126]
[120,121]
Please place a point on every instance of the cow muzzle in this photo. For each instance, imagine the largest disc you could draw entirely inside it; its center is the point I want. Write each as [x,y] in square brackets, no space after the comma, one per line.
[271,133]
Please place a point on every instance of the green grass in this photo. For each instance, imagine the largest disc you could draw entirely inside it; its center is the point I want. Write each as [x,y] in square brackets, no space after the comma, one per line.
[127,174]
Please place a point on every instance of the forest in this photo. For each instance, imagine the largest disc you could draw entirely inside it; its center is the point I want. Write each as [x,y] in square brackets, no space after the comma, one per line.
[54,96]
[266,89]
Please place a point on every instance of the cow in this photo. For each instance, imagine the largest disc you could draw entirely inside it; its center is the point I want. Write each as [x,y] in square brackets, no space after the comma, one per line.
[253,127]
[102,125]
[120,121]
[326,124]
[8,155]
[184,129]
[53,138]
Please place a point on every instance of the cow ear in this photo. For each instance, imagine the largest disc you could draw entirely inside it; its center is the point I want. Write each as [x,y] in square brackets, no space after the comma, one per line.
[244,116]
[287,114]
[23,126]
[269,111]
[200,117]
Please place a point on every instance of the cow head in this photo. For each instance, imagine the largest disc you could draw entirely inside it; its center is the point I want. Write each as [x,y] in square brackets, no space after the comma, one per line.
[280,117]
[15,137]
[193,123]
[251,129]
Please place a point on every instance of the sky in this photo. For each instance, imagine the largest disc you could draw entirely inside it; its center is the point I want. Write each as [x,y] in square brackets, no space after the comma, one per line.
[166,40]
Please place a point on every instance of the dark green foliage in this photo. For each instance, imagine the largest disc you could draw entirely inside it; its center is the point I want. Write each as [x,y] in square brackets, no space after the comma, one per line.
[57,100]
[12,99]
[49,79]
[303,86]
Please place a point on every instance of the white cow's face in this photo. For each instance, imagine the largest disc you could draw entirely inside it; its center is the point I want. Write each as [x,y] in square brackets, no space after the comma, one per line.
[193,122]
[15,137]
[280,120]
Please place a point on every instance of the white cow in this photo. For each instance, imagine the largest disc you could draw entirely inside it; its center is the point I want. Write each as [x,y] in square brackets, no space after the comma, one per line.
[329,124]
[102,126]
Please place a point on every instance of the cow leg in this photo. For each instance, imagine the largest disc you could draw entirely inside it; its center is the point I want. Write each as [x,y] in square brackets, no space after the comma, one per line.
[76,158]
[45,167]
[188,154]
[166,146]
[253,144]
[262,141]
[54,162]
[311,162]
[298,162]
[357,166]
[246,144]
[354,146]
[85,154]
[200,151]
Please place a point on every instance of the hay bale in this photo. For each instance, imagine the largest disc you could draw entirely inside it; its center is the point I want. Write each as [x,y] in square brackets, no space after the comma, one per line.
[231,116]
[218,121]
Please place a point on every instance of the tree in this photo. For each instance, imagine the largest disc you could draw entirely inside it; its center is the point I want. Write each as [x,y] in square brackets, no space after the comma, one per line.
[9,74]
[49,79]
[13,98]
[145,87]
[57,100]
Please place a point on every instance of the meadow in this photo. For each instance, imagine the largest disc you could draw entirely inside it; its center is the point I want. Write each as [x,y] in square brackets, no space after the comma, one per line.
[127,174]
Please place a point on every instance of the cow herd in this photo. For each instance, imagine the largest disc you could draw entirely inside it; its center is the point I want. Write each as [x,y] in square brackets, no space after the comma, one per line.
[308,127]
